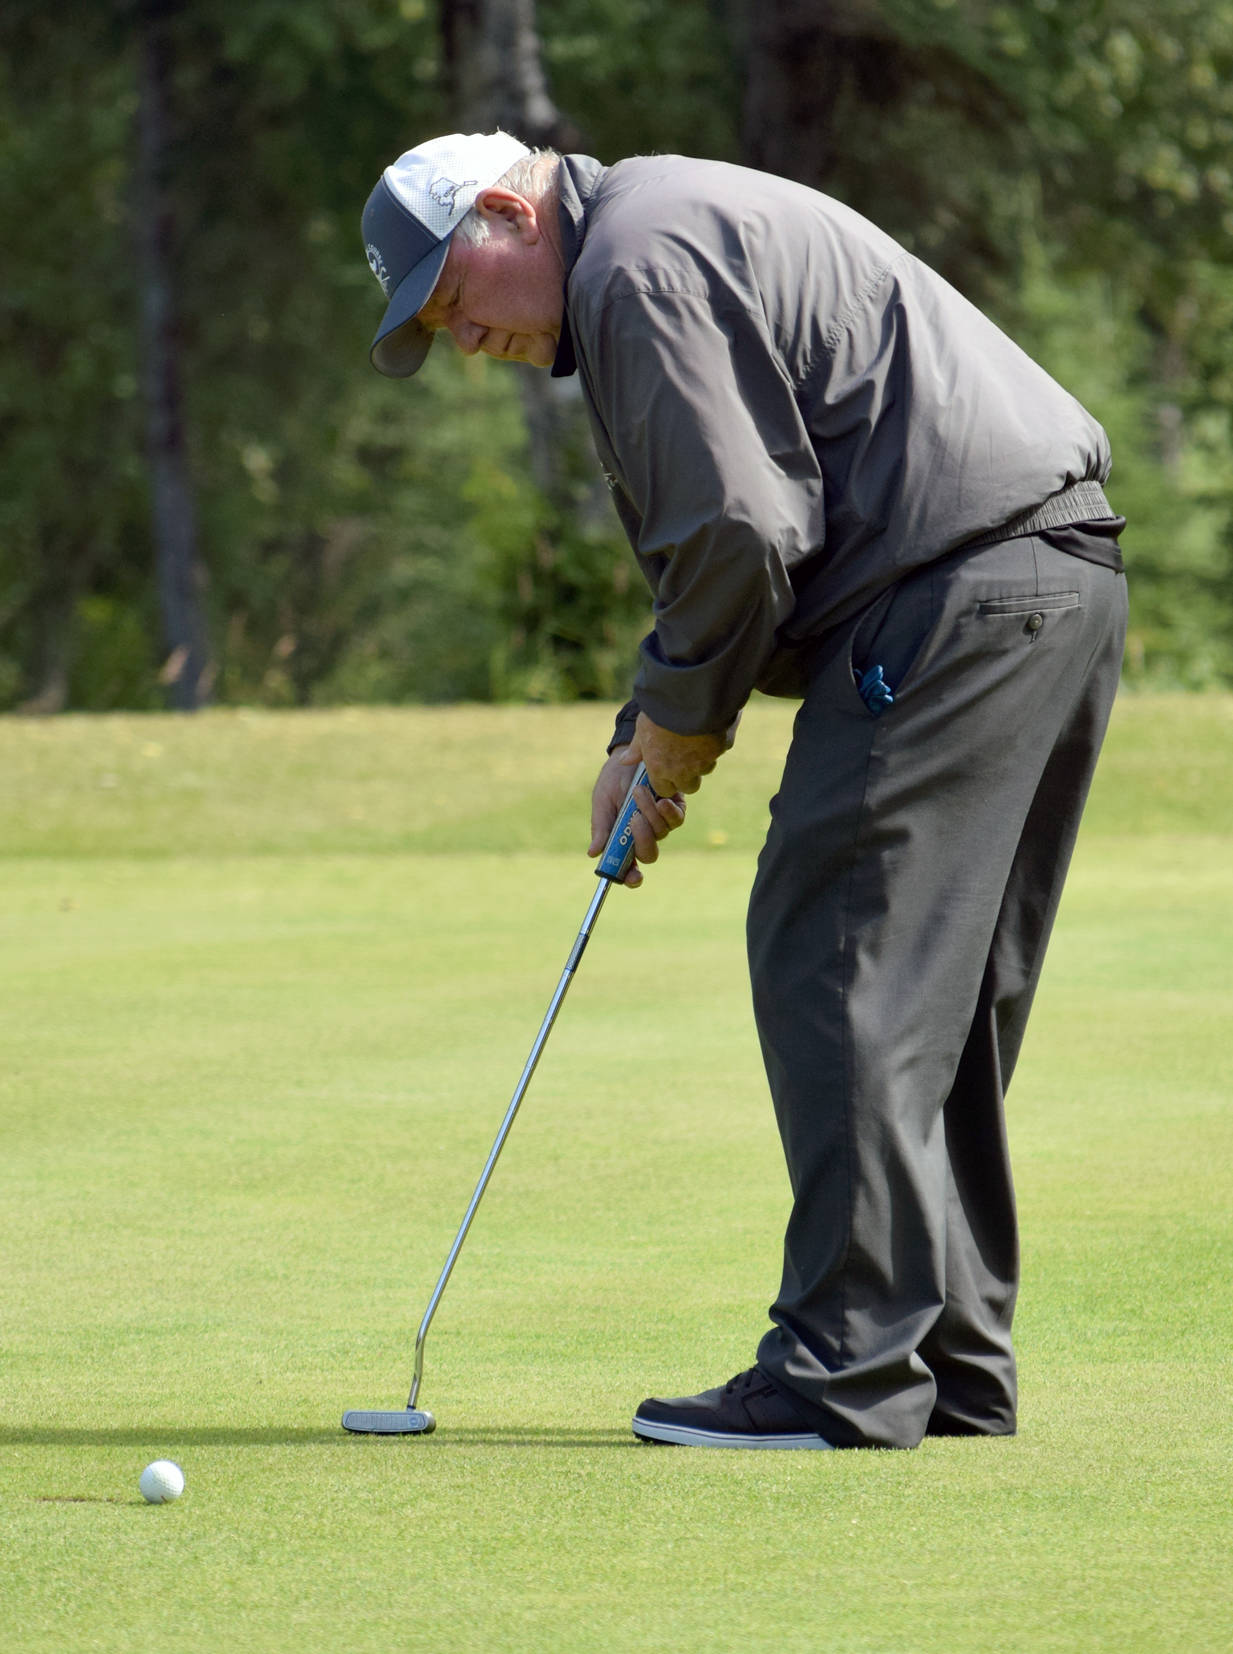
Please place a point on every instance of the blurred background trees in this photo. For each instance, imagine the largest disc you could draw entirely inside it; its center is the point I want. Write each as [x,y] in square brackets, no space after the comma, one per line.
[185,314]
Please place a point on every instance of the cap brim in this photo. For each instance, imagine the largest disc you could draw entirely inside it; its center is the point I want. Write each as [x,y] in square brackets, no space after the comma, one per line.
[402,341]
[401,353]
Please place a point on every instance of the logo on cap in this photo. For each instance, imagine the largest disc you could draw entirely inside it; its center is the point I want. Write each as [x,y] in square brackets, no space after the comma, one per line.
[377,265]
[445,192]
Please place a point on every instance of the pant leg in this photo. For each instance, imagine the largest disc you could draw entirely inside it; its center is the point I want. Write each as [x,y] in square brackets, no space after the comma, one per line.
[968,1350]
[878,905]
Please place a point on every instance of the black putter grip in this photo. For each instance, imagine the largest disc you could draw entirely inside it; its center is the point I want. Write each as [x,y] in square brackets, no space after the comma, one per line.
[619,851]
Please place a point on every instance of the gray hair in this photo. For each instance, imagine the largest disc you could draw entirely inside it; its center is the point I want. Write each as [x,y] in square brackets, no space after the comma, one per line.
[531,175]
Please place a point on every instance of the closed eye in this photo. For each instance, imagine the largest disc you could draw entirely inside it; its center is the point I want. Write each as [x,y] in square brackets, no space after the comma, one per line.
[436,313]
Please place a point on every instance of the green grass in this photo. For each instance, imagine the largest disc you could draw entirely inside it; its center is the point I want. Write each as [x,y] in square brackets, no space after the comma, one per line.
[258,1031]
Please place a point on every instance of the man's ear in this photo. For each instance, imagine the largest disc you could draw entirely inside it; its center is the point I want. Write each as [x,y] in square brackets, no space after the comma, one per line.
[506,209]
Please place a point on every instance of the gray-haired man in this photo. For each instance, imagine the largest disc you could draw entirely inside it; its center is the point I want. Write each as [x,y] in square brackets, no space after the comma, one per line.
[842,483]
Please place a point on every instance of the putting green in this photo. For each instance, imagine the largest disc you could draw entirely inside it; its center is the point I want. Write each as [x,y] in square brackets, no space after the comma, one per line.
[266,983]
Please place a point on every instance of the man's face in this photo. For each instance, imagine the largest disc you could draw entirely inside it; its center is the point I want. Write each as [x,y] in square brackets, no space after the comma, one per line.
[503,297]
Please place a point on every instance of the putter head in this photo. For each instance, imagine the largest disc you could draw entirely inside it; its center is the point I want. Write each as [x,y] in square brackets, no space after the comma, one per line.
[408,1421]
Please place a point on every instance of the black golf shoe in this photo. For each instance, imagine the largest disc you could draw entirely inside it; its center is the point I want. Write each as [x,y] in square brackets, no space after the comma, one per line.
[748,1411]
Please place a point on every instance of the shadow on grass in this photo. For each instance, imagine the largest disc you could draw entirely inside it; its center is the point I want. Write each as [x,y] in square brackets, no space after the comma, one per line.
[518,1436]
[136,1435]
[223,1435]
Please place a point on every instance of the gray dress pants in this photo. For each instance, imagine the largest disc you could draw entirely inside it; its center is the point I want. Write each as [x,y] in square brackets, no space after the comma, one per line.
[897,927]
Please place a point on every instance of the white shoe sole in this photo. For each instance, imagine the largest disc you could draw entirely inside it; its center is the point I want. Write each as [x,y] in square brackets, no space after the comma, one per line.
[683,1435]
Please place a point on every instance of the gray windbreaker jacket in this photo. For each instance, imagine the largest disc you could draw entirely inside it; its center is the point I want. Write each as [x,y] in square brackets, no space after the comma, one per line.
[793,413]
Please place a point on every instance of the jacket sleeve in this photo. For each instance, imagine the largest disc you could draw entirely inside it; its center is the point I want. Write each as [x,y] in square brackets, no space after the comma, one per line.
[623,730]
[717,485]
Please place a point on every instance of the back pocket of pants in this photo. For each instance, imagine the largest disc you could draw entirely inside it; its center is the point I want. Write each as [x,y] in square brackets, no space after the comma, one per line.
[1021,605]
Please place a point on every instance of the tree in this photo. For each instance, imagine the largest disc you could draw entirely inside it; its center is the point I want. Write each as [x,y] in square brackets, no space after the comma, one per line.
[569,613]
[1068,166]
[71,502]
[494,73]
[1049,158]
[188,672]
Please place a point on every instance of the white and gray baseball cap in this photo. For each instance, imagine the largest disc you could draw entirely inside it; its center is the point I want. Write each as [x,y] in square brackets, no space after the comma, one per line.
[417,205]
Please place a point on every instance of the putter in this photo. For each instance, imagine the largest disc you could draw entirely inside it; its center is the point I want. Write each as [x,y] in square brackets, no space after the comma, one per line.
[612,868]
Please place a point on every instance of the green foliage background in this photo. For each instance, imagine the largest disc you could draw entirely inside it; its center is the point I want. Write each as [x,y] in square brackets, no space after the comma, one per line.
[1069,166]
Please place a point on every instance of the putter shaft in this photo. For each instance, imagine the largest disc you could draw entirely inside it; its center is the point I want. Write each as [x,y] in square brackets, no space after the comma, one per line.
[612,867]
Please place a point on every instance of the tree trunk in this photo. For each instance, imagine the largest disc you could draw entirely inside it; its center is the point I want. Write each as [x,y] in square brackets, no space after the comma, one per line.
[495,74]
[52,613]
[800,53]
[186,672]
[496,79]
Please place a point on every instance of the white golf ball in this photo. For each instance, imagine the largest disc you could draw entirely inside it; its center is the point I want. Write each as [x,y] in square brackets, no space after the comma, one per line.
[161,1482]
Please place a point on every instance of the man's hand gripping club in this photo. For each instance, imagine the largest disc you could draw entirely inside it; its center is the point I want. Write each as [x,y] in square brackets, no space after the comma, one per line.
[675,766]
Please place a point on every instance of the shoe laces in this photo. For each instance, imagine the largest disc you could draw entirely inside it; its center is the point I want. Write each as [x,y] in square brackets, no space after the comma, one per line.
[743,1381]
